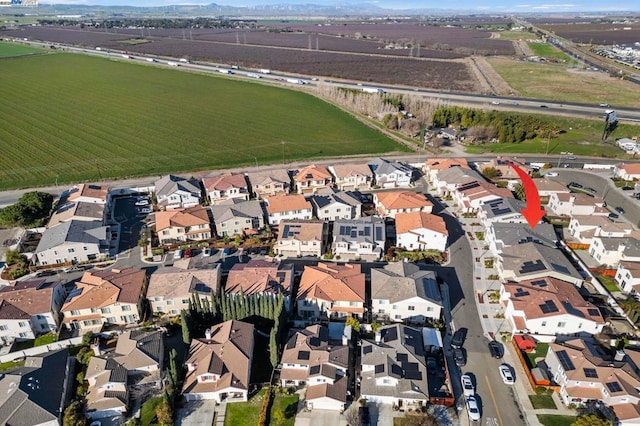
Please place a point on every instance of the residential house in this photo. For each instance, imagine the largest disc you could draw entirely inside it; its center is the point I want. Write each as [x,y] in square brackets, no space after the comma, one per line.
[359,238]
[352,177]
[576,204]
[313,359]
[74,241]
[113,296]
[501,236]
[401,291]
[532,260]
[135,363]
[548,306]
[298,238]
[610,251]
[628,277]
[269,183]
[329,290]
[235,217]
[174,192]
[434,165]
[80,210]
[503,167]
[503,210]
[421,231]
[585,371]
[37,392]
[172,287]
[584,227]
[627,171]
[394,369]
[546,187]
[181,225]
[219,366]
[88,193]
[330,205]
[281,207]
[261,277]
[629,146]
[226,187]
[311,178]
[390,203]
[30,308]
[447,180]
[391,174]
[471,196]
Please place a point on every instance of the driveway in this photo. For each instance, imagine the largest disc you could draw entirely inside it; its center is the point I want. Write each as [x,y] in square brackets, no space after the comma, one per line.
[320,418]
[381,414]
[196,413]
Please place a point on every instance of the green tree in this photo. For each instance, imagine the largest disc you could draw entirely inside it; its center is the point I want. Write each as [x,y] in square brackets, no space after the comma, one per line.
[84,355]
[519,191]
[185,323]
[13,257]
[491,172]
[30,210]
[591,420]
[354,323]
[73,415]
[164,413]
[375,326]
[273,348]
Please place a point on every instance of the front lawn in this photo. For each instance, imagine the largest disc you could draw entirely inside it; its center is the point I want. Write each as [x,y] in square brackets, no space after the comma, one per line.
[543,401]
[555,420]
[540,352]
[148,411]
[4,366]
[608,282]
[284,410]
[245,413]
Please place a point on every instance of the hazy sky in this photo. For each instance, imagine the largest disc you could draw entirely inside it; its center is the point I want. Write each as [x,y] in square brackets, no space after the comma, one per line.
[487,6]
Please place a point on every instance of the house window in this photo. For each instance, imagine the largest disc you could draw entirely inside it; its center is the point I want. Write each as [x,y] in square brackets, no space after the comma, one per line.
[94,310]
[43,327]
[543,324]
[22,324]
[411,308]
[185,301]
[561,324]
[398,317]
[4,327]
[72,250]
[159,309]
[23,334]
[75,312]
[381,311]
[165,232]
[111,320]
[84,248]
[126,307]
[105,310]
[158,299]
[429,308]
[169,302]
[382,302]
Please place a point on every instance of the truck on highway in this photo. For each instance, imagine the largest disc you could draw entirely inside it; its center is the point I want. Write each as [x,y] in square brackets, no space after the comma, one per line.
[152,60]
[265,71]
[373,90]
[172,64]
[296,81]
[253,74]
[225,71]
[184,60]
[126,56]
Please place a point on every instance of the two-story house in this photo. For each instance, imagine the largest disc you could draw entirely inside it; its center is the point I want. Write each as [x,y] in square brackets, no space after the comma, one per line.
[352,177]
[447,180]
[421,231]
[572,204]
[174,192]
[548,306]
[401,291]
[504,210]
[312,359]
[610,251]
[261,277]
[269,183]
[282,207]
[330,290]
[311,178]
[79,210]
[626,171]
[74,241]
[219,365]
[298,238]
[190,224]
[433,166]
[584,227]
[391,174]
[546,187]
[500,236]
[532,260]
[235,217]
[113,296]
[470,197]
[226,187]
[362,238]
[628,277]
[30,308]
[390,203]
[331,205]
[171,287]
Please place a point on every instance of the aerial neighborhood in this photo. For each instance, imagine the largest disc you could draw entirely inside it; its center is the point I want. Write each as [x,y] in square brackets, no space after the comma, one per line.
[313,269]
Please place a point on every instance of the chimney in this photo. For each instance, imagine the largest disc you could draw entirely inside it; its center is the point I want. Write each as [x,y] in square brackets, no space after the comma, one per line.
[619,355]
[378,337]
[207,334]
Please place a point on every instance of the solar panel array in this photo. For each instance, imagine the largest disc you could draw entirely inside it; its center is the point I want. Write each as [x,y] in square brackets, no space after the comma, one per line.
[314,369]
[520,292]
[591,373]
[304,355]
[566,362]
[290,230]
[548,307]
[593,312]
[539,283]
[614,386]
[530,266]
[379,368]
[367,349]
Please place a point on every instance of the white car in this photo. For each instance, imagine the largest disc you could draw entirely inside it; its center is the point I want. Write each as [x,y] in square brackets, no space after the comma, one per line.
[177,254]
[550,174]
[143,202]
[467,386]
[505,373]
[472,409]
[206,252]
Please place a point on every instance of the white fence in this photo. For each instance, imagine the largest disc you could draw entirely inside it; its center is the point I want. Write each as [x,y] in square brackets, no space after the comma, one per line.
[12,356]
[599,166]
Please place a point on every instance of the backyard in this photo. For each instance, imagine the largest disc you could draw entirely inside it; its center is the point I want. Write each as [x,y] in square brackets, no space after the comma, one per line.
[540,352]
[283,410]
[608,282]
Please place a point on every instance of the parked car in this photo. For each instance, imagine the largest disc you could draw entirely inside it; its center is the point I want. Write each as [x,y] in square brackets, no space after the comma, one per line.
[206,252]
[458,337]
[627,188]
[543,106]
[45,273]
[590,189]
[177,254]
[613,216]
[574,185]
[467,386]
[226,251]
[144,202]
[459,357]
[506,375]
[187,253]
[472,409]
[619,210]
[74,268]
[571,157]
[496,349]
[364,418]
[550,174]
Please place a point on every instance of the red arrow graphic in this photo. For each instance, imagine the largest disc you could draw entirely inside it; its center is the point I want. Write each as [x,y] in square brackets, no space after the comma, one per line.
[534,211]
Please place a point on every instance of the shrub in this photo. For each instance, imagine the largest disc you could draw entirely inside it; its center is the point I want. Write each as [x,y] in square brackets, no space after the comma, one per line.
[266,402]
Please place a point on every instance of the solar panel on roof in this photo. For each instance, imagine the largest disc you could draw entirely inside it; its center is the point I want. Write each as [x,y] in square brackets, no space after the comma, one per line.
[397,370]
[566,362]
[400,357]
[539,283]
[314,370]
[379,368]
[367,231]
[521,292]
[590,372]
[548,307]
[530,266]
[367,349]
[304,355]
[378,233]
[413,374]
[614,386]
[593,312]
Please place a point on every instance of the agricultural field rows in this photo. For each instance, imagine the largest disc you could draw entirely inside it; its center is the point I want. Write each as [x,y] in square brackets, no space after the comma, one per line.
[10,50]
[601,34]
[90,118]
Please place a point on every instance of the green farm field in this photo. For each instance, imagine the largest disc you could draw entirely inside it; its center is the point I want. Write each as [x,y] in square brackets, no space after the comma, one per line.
[8,50]
[547,51]
[76,118]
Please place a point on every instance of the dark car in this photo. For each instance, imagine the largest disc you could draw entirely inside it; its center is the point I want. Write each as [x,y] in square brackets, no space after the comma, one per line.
[574,185]
[496,349]
[620,210]
[627,188]
[613,216]
[364,419]
[459,357]
[458,338]
[589,189]
[543,106]
[46,273]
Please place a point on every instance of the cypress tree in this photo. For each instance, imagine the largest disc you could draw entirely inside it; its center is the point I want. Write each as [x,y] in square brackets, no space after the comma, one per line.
[270,305]
[263,306]
[273,348]
[184,322]
[212,304]
[233,308]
